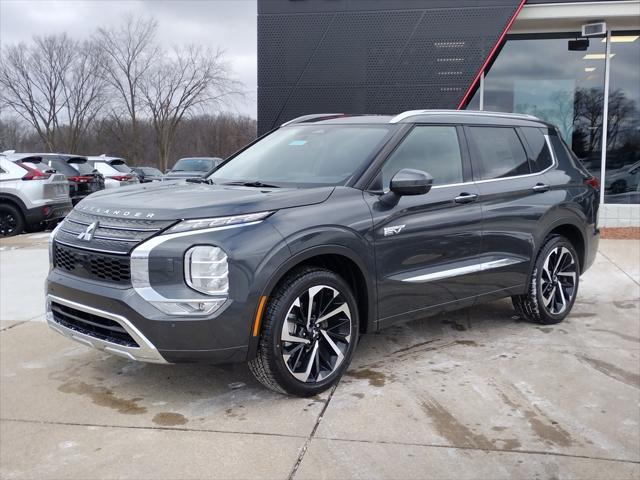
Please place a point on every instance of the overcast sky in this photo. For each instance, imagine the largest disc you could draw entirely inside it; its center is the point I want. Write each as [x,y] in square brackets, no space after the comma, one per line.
[228,24]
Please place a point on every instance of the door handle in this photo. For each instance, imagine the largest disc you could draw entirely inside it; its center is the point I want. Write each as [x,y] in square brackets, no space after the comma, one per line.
[541,188]
[466,198]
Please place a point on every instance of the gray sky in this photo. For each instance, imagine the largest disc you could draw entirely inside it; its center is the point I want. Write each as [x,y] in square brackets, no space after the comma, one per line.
[228,24]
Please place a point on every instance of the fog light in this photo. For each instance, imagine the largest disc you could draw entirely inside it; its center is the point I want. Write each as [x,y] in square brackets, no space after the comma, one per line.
[190,308]
[206,270]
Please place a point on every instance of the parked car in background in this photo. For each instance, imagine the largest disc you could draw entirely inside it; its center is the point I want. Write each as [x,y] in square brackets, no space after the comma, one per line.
[193,167]
[115,170]
[82,177]
[148,174]
[624,179]
[30,197]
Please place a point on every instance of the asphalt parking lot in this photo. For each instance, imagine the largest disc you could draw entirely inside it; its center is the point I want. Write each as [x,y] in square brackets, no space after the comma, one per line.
[475,394]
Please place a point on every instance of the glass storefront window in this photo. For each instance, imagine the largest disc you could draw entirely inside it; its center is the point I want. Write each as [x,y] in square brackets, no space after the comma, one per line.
[538,74]
[622,175]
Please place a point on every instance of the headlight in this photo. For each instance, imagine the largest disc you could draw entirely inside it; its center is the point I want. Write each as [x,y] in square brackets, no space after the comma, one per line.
[199,224]
[206,270]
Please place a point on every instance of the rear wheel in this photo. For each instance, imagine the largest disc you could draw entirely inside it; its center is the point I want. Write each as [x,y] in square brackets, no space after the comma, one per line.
[11,220]
[553,285]
[310,333]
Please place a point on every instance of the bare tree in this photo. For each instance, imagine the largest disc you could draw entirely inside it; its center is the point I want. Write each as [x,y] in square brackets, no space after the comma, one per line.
[179,84]
[32,80]
[84,93]
[129,51]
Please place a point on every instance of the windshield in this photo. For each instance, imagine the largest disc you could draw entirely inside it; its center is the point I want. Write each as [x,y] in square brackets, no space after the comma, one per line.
[193,165]
[305,155]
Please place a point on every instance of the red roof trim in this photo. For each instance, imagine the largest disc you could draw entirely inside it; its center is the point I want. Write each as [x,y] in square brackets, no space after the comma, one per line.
[490,56]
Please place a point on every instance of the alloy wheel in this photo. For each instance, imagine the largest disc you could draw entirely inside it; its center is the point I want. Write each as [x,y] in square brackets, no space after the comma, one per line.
[558,280]
[316,334]
[8,224]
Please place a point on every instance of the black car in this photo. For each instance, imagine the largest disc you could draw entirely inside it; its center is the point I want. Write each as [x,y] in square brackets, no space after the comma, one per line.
[148,174]
[193,167]
[327,228]
[82,177]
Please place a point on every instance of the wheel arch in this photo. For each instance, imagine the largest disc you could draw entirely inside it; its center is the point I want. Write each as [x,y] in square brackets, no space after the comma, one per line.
[574,234]
[341,260]
[13,200]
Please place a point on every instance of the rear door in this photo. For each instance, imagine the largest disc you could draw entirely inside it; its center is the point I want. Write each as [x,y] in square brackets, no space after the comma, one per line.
[426,245]
[509,165]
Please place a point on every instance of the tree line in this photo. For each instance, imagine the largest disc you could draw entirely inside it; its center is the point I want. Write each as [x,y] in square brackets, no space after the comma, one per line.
[120,93]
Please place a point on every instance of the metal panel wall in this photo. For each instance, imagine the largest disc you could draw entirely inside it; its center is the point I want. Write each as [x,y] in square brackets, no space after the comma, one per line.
[371,56]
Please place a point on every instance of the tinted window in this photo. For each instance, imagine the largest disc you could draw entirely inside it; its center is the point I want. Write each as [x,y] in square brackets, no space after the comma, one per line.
[60,166]
[498,152]
[432,149]
[539,148]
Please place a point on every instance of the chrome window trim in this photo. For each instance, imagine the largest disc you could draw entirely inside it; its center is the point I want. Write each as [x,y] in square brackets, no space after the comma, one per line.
[455,272]
[476,182]
[541,172]
[147,352]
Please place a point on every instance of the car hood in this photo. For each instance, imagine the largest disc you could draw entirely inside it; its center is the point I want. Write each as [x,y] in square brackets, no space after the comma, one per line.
[180,200]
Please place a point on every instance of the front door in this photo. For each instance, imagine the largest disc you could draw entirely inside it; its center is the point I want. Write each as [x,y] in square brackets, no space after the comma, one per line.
[426,245]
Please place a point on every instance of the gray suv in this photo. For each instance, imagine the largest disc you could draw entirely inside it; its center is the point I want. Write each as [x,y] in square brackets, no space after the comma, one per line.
[29,196]
[327,228]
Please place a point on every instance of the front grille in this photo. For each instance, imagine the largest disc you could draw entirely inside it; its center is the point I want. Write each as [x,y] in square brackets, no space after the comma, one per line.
[114,235]
[93,325]
[92,265]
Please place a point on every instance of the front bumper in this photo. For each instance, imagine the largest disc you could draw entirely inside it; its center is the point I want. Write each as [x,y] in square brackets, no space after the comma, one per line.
[220,338]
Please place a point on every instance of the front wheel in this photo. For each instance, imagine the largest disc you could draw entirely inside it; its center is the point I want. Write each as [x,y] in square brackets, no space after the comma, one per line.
[553,285]
[310,331]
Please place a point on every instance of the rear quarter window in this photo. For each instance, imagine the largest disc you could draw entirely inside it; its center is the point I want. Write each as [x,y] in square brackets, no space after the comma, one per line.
[540,155]
[497,153]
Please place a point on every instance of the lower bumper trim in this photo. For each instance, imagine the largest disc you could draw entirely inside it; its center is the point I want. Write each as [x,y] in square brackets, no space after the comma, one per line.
[146,352]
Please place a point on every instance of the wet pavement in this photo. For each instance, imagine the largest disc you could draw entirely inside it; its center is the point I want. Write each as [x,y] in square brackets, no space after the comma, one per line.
[471,394]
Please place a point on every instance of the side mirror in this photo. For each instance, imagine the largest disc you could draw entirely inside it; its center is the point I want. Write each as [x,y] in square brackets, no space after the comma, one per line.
[407,182]
[411,182]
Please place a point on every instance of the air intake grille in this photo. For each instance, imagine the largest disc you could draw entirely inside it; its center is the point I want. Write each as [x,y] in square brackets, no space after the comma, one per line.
[92,265]
[93,325]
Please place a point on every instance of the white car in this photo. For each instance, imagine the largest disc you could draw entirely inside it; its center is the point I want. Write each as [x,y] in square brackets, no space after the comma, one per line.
[115,170]
[30,197]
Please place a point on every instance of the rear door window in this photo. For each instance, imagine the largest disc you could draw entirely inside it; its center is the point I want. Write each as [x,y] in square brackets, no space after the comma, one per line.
[541,156]
[498,153]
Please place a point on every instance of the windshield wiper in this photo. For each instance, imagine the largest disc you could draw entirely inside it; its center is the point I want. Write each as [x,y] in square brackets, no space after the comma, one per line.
[255,183]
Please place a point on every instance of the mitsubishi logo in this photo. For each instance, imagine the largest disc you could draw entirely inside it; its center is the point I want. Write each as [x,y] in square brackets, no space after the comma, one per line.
[87,235]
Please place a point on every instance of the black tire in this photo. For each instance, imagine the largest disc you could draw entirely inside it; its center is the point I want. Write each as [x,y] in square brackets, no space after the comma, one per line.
[11,220]
[277,360]
[546,301]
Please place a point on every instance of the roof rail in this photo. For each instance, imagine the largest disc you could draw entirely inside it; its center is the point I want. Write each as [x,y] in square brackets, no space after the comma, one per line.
[413,113]
[315,116]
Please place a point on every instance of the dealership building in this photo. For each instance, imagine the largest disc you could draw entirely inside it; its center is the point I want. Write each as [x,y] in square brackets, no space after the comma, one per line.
[575,64]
